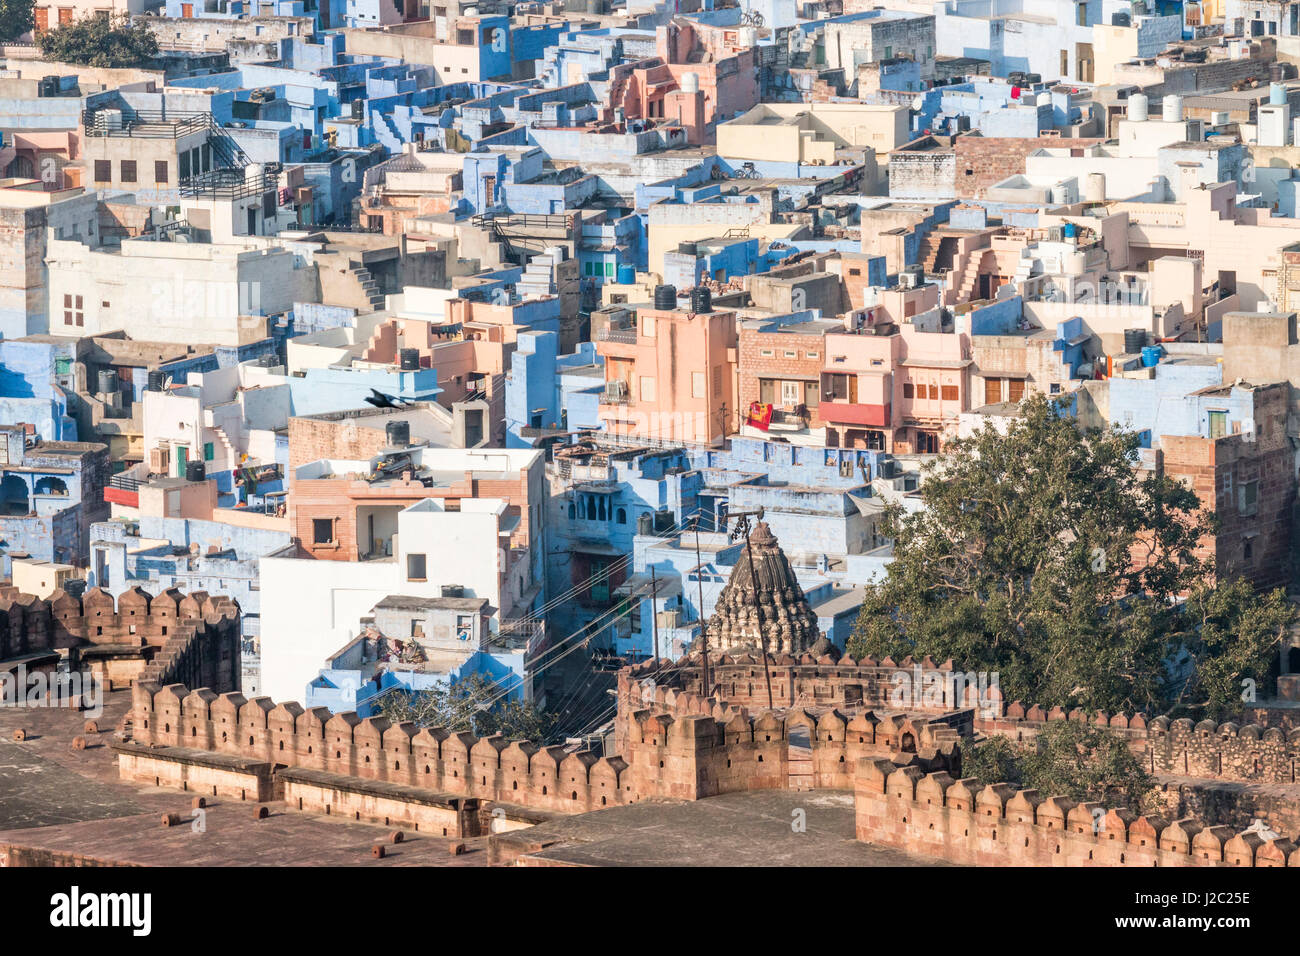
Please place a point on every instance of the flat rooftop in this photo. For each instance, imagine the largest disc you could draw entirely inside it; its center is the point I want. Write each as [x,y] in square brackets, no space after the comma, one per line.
[735,829]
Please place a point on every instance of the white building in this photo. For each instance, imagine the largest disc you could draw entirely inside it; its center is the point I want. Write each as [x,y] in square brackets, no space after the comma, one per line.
[312,608]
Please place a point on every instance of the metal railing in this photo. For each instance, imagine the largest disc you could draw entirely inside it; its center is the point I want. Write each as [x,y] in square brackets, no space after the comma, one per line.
[123,120]
[226,184]
[124,483]
[625,336]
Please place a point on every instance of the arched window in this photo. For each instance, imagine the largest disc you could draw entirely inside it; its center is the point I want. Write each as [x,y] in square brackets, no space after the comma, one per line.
[621,516]
[13,496]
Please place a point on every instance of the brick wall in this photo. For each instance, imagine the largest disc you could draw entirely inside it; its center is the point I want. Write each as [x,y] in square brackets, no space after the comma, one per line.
[754,365]
[982,161]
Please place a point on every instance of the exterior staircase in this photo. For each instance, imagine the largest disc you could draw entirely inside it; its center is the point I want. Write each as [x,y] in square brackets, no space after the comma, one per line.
[369,286]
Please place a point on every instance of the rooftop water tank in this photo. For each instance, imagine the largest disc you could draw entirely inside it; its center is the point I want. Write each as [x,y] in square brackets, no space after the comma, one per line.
[1138,105]
[1096,188]
[1171,109]
[398,434]
[665,298]
[1277,94]
[701,300]
[626,273]
[408,359]
[690,82]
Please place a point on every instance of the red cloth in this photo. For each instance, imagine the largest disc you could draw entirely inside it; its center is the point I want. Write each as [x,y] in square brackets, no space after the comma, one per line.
[1015,92]
[760,415]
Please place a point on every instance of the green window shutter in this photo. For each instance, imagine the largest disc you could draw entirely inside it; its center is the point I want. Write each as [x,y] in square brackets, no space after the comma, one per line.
[208,452]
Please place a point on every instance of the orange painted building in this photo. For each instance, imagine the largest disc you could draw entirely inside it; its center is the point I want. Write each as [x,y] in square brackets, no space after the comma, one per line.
[671,375]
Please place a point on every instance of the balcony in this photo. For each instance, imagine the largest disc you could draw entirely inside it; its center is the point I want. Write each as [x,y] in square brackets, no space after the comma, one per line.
[123,490]
[622,336]
[617,392]
[846,413]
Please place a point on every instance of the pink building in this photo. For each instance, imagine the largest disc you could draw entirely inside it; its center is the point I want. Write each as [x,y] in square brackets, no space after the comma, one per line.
[896,388]
[699,79]
[671,375]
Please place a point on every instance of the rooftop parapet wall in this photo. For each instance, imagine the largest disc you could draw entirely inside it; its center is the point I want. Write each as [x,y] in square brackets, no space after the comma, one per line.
[169,636]
[685,757]
[963,821]
[1229,751]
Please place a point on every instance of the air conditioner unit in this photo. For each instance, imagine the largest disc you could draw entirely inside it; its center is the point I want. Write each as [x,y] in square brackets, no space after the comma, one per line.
[159,459]
[108,119]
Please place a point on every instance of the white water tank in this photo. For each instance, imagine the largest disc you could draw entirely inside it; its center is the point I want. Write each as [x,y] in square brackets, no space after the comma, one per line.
[748,37]
[1096,187]
[690,82]
[1171,109]
[1137,107]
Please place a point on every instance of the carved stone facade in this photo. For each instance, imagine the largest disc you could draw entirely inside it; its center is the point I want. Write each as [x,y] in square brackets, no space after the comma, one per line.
[789,625]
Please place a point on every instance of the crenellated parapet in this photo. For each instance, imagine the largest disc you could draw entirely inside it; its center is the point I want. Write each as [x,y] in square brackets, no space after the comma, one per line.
[668,751]
[965,821]
[138,636]
[1224,751]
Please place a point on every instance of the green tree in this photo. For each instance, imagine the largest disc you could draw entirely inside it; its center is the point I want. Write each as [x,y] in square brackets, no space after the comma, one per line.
[15,18]
[461,707]
[112,42]
[1043,554]
[1069,758]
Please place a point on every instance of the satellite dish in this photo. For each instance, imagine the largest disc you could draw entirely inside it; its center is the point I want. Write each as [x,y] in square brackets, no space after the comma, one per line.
[918,103]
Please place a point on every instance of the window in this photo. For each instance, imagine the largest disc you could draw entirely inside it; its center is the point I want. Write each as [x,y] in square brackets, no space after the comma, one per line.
[698,389]
[791,393]
[648,326]
[949,393]
[415,567]
[647,388]
[907,390]
[128,170]
[322,530]
[209,452]
[1218,424]
[717,380]
[1015,389]
[72,312]
[103,171]
[185,166]
[812,355]
[934,392]
[766,353]
[790,353]
[1248,497]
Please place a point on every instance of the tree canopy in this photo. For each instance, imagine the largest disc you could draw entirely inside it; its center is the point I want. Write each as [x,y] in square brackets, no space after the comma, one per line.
[99,41]
[15,18]
[1069,758]
[459,708]
[1044,555]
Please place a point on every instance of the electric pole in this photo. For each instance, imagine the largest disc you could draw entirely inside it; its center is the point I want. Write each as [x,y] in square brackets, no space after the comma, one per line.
[699,578]
[743,528]
[654,612]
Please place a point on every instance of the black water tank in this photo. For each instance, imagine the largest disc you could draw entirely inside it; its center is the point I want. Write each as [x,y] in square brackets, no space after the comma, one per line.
[409,359]
[688,249]
[107,380]
[398,434]
[156,381]
[665,298]
[701,300]
[194,471]
[644,523]
[1134,340]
